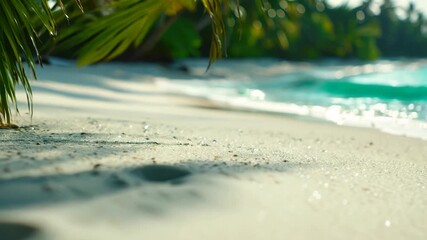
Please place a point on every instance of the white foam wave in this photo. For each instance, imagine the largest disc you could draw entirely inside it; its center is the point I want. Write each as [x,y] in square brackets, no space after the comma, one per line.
[228,98]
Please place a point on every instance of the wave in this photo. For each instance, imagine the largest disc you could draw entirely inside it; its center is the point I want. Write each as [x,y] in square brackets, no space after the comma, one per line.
[391,96]
[356,90]
[349,89]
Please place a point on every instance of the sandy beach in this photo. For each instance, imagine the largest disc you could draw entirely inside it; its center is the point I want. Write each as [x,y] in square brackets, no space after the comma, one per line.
[110,154]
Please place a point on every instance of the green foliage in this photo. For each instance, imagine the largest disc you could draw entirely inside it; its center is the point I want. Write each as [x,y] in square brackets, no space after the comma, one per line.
[18,39]
[297,29]
[126,25]
[109,30]
[182,39]
[402,37]
[214,9]
[307,29]
[304,29]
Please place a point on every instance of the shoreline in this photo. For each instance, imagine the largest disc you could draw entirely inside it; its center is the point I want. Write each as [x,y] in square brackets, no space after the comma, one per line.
[80,170]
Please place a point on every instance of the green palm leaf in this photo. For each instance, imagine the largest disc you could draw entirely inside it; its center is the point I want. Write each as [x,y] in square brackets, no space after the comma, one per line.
[127,24]
[18,47]
[18,44]
[214,9]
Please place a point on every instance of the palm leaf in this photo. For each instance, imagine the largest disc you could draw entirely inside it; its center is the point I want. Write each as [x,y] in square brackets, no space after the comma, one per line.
[107,36]
[214,9]
[18,46]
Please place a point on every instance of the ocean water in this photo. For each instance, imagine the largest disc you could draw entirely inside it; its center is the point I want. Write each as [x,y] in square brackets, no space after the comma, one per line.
[389,95]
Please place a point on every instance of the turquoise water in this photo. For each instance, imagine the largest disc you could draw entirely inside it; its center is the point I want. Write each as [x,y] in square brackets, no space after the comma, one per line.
[388,95]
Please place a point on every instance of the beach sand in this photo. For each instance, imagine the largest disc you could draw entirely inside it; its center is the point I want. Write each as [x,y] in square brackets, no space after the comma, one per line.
[110,154]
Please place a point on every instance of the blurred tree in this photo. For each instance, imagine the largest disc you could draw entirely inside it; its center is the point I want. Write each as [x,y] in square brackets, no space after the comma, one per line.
[292,29]
[401,37]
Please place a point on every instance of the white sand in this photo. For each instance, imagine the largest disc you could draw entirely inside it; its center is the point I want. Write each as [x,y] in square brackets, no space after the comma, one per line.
[71,173]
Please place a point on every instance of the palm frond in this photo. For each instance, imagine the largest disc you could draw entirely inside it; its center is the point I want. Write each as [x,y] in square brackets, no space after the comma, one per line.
[214,9]
[21,21]
[106,36]
[18,45]
[127,25]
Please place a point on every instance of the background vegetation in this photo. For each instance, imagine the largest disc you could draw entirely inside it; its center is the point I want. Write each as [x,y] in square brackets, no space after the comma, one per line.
[163,30]
[290,29]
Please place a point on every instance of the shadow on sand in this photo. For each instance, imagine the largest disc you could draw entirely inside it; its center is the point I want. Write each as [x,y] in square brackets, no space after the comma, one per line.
[27,191]
[17,231]
[22,192]
[159,188]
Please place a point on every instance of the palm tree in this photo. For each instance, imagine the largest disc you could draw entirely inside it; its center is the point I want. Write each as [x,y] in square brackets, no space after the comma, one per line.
[124,23]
